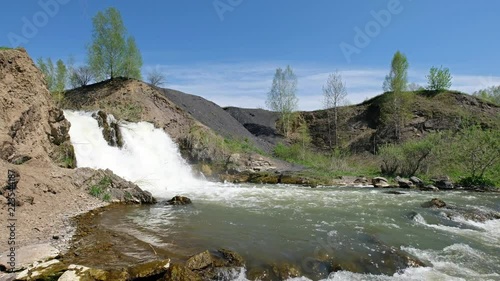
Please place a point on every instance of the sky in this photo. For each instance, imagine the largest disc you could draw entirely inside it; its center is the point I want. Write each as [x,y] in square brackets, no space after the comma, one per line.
[228,50]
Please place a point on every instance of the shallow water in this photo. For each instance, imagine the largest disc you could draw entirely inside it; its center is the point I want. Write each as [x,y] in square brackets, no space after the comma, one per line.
[289,224]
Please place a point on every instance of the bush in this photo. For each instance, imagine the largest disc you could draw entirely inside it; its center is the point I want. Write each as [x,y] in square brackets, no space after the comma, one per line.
[407,159]
[476,182]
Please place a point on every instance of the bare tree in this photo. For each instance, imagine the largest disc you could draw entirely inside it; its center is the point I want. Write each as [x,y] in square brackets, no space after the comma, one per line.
[283,97]
[80,76]
[334,93]
[156,78]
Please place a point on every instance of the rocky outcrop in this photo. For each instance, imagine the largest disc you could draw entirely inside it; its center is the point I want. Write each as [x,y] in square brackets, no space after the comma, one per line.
[110,129]
[32,126]
[104,184]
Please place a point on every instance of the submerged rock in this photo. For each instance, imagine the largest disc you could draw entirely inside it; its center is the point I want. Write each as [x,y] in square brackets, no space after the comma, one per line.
[434,203]
[179,200]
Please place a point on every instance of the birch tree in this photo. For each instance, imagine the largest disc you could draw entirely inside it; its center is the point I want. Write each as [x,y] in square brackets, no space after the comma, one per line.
[334,94]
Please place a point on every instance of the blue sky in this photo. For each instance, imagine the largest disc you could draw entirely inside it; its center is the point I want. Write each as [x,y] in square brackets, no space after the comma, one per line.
[227,50]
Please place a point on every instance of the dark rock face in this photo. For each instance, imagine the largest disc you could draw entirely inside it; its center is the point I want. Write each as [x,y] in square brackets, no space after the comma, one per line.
[179,200]
[434,203]
[110,129]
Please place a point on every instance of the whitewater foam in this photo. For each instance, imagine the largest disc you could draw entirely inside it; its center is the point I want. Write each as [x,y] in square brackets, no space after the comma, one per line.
[148,158]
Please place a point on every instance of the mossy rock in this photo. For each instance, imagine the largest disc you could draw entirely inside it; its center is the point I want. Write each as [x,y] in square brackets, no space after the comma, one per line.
[64,155]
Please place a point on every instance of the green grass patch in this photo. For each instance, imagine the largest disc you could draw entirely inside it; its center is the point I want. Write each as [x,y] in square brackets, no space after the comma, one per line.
[99,190]
[5,48]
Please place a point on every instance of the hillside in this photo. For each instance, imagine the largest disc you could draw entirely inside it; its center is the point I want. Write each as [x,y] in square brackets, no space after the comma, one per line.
[362,129]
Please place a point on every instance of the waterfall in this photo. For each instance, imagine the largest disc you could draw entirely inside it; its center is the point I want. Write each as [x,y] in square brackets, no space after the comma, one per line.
[148,158]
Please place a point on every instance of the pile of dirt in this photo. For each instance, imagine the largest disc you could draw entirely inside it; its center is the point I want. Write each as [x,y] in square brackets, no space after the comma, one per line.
[218,119]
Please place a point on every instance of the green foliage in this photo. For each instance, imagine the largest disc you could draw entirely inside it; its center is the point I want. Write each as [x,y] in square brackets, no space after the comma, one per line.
[491,94]
[471,155]
[407,159]
[397,79]
[5,48]
[397,108]
[439,79]
[112,53]
[283,97]
[476,182]
[55,76]
[98,190]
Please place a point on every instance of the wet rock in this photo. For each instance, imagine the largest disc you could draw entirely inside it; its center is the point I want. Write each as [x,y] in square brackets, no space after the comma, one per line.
[199,261]
[404,183]
[430,187]
[417,182]
[78,272]
[110,129]
[228,258]
[179,200]
[178,272]
[49,270]
[394,192]
[380,182]
[434,203]
[443,183]
[286,271]
[149,270]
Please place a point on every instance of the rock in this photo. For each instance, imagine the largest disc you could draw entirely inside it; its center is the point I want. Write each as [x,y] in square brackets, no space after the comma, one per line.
[286,271]
[416,181]
[110,129]
[118,189]
[148,270]
[180,273]
[434,203]
[78,272]
[430,188]
[28,255]
[179,200]
[443,183]
[394,192]
[229,258]
[380,182]
[42,271]
[404,183]
[199,261]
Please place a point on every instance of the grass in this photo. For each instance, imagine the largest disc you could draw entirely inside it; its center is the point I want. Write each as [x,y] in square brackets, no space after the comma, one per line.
[328,165]
[5,48]
[98,190]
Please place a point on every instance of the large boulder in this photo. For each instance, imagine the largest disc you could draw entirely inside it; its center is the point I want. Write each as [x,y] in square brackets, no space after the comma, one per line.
[404,183]
[443,183]
[417,182]
[380,182]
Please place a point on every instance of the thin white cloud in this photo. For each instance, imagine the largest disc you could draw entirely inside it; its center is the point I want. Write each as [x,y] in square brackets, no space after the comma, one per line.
[246,84]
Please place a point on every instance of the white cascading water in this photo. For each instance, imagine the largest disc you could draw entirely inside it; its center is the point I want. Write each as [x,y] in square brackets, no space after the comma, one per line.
[148,158]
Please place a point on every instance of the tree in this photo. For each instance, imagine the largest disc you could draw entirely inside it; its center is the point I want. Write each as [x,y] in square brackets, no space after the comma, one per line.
[334,93]
[491,94]
[80,76]
[439,79]
[414,87]
[112,53]
[55,76]
[156,78]
[396,109]
[282,97]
